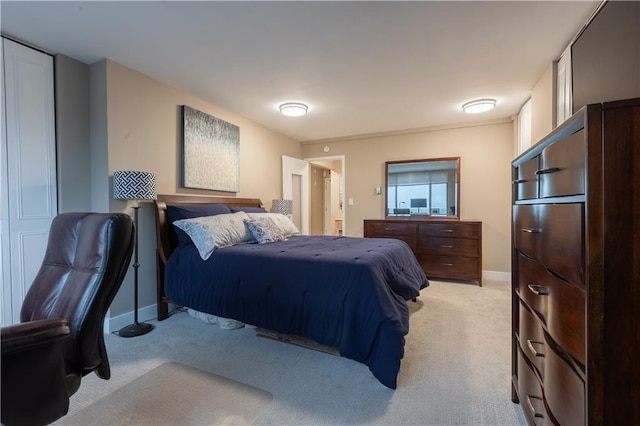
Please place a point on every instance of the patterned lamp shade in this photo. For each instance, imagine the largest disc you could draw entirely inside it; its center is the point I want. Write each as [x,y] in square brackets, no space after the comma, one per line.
[134,185]
[284,207]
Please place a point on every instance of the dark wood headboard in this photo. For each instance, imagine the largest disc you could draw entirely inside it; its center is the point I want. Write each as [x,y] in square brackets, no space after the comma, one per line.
[166,239]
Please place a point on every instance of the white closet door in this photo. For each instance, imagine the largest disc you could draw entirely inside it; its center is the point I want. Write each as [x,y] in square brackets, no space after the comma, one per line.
[28,182]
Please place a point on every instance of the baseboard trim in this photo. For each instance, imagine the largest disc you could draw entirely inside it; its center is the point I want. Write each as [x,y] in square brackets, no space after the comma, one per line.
[112,324]
[496,276]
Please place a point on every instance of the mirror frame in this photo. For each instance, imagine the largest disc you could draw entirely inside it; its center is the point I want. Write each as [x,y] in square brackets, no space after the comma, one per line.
[421,216]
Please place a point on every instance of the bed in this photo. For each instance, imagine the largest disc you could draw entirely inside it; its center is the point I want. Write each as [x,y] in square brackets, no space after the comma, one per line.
[349,293]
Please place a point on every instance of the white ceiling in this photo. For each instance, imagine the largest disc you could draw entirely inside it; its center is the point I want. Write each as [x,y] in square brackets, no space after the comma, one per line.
[362,67]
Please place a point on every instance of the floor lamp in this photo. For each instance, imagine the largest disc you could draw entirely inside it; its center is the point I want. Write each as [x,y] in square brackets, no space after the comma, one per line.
[134,186]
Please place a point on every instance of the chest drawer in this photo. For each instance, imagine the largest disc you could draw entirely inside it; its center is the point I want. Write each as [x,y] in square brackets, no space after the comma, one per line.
[565,316]
[448,246]
[552,233]
[388,229]
[526,180]
[526,229]
[532,284]
[532,339]
[561,240]
[562,167]
[449,230]
[563,389]
[560,305]
[530,393]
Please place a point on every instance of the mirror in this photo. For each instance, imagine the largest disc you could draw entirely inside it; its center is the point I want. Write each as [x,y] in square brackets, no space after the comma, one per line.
[428,187]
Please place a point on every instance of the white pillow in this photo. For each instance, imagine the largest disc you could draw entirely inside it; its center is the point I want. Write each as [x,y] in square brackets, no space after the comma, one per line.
[286,226]
[211,232]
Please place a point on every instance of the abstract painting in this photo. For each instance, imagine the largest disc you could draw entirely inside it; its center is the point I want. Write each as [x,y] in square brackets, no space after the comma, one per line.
[211,152]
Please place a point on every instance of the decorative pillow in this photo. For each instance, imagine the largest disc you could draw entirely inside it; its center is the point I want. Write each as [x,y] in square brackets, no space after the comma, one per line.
[189,212]
[287,228]
[211,232]
[248,209]
[264,230]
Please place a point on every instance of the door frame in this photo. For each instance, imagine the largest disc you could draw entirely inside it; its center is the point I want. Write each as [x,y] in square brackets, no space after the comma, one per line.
[343,181]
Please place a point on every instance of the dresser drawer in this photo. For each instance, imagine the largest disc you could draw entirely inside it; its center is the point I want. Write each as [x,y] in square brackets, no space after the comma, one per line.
[526,229]
[565,316]
[449,229]
[411,241]
[561,240]
[526,180]
[562,167]
[552,233]
[448,246]
[449,266]
[532,284]
[564,390]
[387,229]
[530,393]
[532,339]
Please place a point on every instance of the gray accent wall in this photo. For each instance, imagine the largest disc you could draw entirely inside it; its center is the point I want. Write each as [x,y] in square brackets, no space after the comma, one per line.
[72,134]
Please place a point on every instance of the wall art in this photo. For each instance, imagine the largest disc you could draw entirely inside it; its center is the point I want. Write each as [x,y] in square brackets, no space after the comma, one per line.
[211,152]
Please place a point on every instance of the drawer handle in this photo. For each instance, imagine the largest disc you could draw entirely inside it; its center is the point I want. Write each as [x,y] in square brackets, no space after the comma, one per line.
[443,246]
[533,349]
[531,407]
[547,170]
[531,230]
[447,264]
[447,230]
[388,229]
[538,290]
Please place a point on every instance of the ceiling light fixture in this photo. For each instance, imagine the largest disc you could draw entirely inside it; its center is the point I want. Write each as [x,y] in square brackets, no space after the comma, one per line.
[293,109]
[479,105]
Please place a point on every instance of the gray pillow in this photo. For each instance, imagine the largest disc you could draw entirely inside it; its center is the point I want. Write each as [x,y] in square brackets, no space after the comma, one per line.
[264,230]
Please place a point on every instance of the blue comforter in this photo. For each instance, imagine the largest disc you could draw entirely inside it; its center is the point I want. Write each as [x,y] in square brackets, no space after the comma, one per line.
[345,292]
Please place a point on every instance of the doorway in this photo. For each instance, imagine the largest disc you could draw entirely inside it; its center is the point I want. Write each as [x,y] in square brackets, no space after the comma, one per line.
[316,186]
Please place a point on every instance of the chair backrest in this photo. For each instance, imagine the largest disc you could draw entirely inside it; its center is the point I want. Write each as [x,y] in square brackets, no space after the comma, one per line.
[86,259]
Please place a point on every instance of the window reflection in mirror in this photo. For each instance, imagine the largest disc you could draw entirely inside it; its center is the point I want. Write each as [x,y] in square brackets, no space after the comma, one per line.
[427,187]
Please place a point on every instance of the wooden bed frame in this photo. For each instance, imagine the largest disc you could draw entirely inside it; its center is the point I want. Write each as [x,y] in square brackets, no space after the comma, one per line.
[166,239]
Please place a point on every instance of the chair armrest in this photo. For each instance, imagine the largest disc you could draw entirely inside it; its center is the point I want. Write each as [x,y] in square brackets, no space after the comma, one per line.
[34,388]
[31,334]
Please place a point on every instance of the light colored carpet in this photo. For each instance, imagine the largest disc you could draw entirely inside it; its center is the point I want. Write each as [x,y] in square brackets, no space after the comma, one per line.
[176,394]
[456,369]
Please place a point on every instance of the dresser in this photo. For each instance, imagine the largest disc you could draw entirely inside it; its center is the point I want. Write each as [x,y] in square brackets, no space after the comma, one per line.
[449,249]
[576,270]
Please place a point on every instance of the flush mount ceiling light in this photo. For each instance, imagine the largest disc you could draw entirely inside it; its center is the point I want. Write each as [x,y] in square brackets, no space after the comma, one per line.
[293,109]
[479,105]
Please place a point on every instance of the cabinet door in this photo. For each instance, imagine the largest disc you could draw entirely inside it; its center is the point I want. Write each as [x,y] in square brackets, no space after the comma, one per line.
[29,194]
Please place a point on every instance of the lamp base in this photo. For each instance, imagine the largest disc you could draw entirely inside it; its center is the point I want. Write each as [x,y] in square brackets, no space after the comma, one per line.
[135,329]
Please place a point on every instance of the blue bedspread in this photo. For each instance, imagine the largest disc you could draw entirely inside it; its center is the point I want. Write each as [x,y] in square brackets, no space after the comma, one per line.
[345,292]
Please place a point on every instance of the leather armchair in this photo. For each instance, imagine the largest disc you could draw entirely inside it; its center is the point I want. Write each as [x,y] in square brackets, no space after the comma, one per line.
[60,338]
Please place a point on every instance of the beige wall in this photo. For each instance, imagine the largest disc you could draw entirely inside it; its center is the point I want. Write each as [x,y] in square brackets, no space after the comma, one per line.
[543,105]
[143,133]
[486,152]
[143,128]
